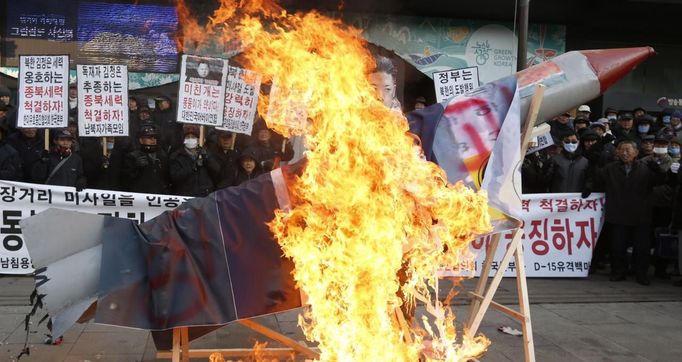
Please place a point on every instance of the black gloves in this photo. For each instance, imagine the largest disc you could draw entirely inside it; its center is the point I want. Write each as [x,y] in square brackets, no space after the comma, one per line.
[586,193]
[201,157]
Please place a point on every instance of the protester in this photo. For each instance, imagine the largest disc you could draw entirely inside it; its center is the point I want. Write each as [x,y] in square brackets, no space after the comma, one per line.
[639,112]
[625,130]
[60,166]
[646,148]
[268,147]
[533,173]
[29,143]
[628,184]
[611,114]
[226,158]
[9,108]
[189,167]
[73,100]
[145,169]
[108,176]
[10,162]
[676,121]
[583,111]
[170,131]
[420,103]
[643,126]
[248,167]
[568,169]
[580,123]
[560,125]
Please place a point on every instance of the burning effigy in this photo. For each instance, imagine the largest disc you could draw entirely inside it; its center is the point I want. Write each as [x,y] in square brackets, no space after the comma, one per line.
[360,227]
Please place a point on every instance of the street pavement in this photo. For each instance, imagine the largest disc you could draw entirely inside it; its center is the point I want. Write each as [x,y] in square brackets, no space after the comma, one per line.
[588,319]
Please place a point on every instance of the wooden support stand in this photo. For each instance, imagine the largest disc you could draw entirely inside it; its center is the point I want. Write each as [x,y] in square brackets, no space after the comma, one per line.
[182,353]
[482,296]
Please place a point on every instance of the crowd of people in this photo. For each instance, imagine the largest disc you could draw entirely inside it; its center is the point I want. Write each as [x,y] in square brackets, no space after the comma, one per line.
[159,155]
[634,158]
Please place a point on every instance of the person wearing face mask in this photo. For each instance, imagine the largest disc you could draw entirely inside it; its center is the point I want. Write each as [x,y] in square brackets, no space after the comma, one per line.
[643,126]
[191,167]
[567,170]
[674,148]
[145,169]
[676,121]
[60,166]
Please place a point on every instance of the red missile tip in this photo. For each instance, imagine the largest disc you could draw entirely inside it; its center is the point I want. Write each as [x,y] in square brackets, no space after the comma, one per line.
[610,65]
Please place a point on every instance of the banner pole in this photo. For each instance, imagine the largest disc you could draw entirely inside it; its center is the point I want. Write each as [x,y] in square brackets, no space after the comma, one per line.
[104,146]
[234,140]
[47,139]
[201,135]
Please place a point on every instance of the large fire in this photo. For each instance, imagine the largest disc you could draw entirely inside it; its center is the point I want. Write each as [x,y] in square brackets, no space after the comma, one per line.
[368,208]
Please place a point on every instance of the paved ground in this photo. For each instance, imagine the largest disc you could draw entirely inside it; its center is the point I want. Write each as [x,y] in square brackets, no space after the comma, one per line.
[573,319]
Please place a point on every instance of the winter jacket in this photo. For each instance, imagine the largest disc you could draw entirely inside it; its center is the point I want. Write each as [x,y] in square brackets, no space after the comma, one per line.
[190,175]
[227,168]
[10,163]
[567,173]
[29,150]
[70,173]
[629,195]
[145,172]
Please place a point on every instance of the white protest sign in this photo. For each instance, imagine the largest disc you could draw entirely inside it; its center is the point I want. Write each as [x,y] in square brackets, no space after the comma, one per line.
[21,200]
[541,142]
[288,108]
[450,83]
[561,231]
[43,95]
[102,100]
[241,97]
[201,98]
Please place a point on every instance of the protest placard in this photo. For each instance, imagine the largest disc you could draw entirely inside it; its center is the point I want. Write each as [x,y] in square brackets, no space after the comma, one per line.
[21,200]
[241,97]
[454,82]
[288,107]
[102,100]
[201,98]
[43,96]
[560,233]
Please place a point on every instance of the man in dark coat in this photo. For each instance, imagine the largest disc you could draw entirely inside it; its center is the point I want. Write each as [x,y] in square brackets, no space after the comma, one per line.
[145,169]
[29,143]
[189,167]
[170,131]
[267,147]
[248,167]
[568,169]
[628,184]
[226,158]
[60,166]
[10,162]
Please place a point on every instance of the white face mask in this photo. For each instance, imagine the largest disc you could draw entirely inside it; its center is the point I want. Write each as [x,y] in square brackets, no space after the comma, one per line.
[570,147]
[191,143]
[661,150]
[611,117]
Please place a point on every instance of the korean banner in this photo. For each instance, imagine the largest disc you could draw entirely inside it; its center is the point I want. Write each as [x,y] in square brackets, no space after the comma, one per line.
[241,97]
[201,98]
[43,96]
[561,231]
[541,142]
[102,100]
[21,200]
[454,82]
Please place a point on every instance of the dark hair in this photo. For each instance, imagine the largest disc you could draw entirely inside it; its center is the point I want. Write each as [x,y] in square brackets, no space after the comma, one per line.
[567,134]
[628,142]
[384,65]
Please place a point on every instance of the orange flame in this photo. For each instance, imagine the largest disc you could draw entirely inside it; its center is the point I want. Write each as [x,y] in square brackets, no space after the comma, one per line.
[368,207]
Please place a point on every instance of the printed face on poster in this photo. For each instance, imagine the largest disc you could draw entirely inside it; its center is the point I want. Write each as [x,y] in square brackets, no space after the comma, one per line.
[102,100]
[241,97]
[43,96]
[201,97]
[451,83]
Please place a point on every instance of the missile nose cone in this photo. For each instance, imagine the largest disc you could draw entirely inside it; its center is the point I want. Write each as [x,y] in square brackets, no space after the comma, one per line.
[610,65]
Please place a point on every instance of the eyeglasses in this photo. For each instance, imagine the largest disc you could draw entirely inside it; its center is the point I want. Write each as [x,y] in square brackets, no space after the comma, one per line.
[573,142]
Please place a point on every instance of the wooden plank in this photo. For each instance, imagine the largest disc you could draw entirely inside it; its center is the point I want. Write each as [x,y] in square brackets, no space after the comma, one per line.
[494,284]
[279,338]
[175,352]
[483,277]
[524,304]
[233,352]
[502,308]
[184,344]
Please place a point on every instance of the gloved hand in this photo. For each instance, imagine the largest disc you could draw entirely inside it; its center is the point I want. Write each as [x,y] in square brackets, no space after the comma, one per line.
[674,167]
[45,156]
[142,161]
[586,193]
[105,162]
[201,157]
[653,165]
